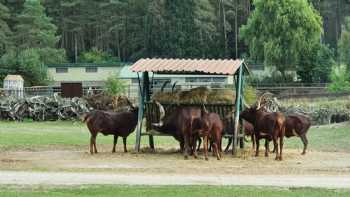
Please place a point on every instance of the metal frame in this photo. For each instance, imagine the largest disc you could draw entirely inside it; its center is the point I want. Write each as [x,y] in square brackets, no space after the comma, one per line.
[144,96]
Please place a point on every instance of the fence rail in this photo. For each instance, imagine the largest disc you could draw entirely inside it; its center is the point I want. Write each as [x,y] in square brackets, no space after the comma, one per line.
[282,91]
[276,85]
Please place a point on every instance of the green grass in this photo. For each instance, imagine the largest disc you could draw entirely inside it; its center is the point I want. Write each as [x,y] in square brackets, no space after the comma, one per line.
[325,138]
[34,134]
[170,191]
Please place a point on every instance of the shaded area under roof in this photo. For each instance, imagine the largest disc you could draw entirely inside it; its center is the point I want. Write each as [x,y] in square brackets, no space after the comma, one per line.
[189,66]
[126,73]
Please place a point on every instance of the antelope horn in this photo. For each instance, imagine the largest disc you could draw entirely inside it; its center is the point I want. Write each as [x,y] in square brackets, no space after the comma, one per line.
[205,109]
[163,86]
[258,106]
[161,113]
[259,102]
[245,104]
[130,103]
[174,85]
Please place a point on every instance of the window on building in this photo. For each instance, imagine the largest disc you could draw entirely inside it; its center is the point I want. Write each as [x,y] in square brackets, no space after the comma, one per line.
[205,79]
[134,81]
[191,80]
[219,79]
[61,70]
[160,82]
[91,69]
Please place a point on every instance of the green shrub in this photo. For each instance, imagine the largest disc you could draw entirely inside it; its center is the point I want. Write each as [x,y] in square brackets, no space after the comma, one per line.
[27,63]
[249,95]
[114,86]
[339,79]
[96,56]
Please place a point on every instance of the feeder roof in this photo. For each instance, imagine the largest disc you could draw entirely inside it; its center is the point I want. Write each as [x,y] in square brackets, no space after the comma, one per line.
[13,78]
[189,66]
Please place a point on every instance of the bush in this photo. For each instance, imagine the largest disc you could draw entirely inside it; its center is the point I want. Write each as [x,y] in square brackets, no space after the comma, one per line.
[249,95]
[27,63]
[344,44]
[339,79]
[114,86]
[316,64]
[275,77]
[97,56]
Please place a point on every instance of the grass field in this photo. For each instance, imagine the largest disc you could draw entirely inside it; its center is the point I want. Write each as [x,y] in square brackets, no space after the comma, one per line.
[170,191]
[37,134]
[34,134]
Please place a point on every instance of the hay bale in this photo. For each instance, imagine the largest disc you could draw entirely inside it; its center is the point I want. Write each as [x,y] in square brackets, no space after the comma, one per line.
[225,96]
[102,101]
[166,97]
[195,95]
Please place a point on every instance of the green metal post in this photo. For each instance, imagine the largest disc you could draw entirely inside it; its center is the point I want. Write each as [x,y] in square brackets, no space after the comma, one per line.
[233,117]
[241,140]
[238,106]
[140,116]
[147,95]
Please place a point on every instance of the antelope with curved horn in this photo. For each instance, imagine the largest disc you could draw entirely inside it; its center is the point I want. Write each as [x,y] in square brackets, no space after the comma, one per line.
[270,126]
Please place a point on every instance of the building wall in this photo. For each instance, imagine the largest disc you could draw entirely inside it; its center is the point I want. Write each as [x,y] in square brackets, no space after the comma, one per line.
[79,74]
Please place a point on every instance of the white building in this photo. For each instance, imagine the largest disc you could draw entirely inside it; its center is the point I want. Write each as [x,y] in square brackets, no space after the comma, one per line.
[13,85]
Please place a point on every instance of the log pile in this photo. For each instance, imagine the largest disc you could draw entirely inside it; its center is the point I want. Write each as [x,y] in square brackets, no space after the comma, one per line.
[319,113]
[42,108]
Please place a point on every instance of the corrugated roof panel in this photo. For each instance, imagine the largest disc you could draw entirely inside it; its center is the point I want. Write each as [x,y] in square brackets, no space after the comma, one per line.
[205,66]
[13,78]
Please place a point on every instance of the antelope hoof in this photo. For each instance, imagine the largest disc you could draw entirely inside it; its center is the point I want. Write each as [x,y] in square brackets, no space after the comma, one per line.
[206,159]
[303,153]
[186,157]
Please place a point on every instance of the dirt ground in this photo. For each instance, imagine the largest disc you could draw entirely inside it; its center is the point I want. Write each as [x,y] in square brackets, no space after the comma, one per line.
[168,161]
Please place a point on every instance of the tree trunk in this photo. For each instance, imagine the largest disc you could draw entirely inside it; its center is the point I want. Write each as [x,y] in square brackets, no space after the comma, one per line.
[236,28]
[75,48]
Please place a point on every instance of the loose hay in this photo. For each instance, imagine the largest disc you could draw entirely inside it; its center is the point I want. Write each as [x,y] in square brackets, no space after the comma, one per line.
[225,96]
[197,96]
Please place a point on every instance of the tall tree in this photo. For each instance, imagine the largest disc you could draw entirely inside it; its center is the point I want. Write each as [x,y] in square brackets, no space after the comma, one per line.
[5,32]
[280,31]
[34,29]
[344,44]
[315,65]
[35,40]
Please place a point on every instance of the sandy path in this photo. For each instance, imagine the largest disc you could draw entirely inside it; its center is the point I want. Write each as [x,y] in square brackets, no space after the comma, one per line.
[314,163]
[52,178]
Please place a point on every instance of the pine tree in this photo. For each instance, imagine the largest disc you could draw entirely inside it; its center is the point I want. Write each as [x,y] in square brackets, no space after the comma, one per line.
[35,40]
[5,32]
[344,44]
[34,29]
